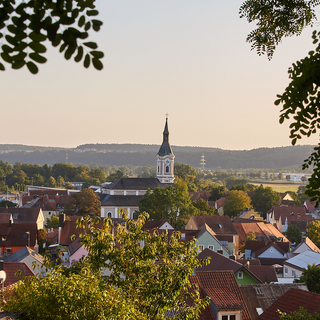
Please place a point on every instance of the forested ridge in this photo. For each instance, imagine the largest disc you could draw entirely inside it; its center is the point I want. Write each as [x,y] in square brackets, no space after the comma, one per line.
[142,154]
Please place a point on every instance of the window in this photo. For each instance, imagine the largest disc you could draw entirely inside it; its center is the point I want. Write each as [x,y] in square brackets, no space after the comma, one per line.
[109,214]
[293,273]
[8,251]
[240,275]
[183,236]
[167,169]
[4,238]
[15,215]
[135,215]
[211,247]
[259,290]
[158,169]
[220,226]
[49,213]
[229,317]
[201,247]
[285,270]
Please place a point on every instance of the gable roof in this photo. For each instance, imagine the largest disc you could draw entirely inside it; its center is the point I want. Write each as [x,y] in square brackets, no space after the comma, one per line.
[120,201]
[279,209]
[23,215]
[290,301]
[218,224]
[22,254]
[224,282]
[201,194]
[155,224]
[16,234]
[264,273]
[309,243]
[136,184]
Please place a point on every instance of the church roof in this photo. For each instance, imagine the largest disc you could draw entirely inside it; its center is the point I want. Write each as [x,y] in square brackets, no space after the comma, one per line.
[136,184]
[165,148]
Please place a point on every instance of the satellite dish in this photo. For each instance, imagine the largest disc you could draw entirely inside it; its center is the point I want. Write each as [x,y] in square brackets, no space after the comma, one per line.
[3,276]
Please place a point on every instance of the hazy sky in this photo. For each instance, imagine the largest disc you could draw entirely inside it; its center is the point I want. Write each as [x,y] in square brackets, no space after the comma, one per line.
[187,58]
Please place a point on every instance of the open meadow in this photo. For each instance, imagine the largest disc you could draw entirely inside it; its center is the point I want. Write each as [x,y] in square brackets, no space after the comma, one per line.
[279,186]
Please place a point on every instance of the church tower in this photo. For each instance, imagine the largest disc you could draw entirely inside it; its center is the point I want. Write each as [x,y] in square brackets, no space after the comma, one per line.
[165,158]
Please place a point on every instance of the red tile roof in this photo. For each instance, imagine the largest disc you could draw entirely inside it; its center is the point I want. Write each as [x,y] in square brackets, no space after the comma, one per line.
[264,273]
[225,283]
[16,234]
[11,268]
[201,194]
[214,222]
[278,210]
[290,301]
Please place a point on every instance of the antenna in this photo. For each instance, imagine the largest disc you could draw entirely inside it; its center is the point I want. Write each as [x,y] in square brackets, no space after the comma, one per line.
[202,161]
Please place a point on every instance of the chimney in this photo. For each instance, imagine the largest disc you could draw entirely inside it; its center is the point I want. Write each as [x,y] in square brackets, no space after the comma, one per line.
[265,243]
[220,251]
[62,219]
[248,264]
[1,265]
[303,239]
[36,248]
[232,257]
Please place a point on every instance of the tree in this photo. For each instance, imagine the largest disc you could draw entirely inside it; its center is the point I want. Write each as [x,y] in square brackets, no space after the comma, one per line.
[302,194]
[239,187]
[28,24]
[294,196]
[273,176]
[173,203]
[300,101]
[145,282]
[84,203]
[313,232]
[302,314]
[114,176]
[264,198]
[237,201]
[293,233]
[235,181]
[7,203]
[280,176]
[42,239]
[267,175]
[217,192]
[53,222]
[288,177]
[51,183]
[311,277]
[204,208]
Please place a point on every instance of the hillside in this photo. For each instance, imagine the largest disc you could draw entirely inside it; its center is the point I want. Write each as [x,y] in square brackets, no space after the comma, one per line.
[141,154]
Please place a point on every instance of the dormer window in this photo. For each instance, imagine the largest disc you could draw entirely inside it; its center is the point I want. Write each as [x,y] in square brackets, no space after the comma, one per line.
[15,215]
[4,238]
[183,236]
[220,226]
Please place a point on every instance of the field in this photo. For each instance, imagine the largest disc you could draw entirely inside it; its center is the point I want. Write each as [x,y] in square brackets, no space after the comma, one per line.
[279,186]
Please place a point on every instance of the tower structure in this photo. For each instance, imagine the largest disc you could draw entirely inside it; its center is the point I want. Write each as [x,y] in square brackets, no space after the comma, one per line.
[202,161]
[165,158]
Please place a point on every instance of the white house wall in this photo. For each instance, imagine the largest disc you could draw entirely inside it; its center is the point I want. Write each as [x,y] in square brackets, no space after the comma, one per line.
[271,253]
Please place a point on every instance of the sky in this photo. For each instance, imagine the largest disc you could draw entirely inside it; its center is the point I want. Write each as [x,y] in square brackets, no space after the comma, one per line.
[187,58]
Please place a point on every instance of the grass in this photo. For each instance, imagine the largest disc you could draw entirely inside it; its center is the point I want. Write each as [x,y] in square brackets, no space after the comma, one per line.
[278,186]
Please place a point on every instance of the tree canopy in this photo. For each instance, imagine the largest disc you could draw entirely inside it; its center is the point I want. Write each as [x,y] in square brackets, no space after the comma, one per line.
[27,26]
[145,282]
[293,233]
[311,277]
[84,203]
[237,201]
[313,232]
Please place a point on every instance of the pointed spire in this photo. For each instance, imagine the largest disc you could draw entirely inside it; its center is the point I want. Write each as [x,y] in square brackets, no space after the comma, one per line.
[165,148]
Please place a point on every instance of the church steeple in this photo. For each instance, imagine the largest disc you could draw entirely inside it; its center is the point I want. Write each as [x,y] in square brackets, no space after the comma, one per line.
[165,158]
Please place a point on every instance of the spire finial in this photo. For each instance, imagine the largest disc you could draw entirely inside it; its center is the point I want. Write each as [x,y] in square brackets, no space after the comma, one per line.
[167,115]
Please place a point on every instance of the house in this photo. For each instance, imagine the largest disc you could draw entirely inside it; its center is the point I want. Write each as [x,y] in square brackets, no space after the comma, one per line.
[24,215]
[161,224]
[219,262]
[291,301]
[223,228]
[30,257]
[126,193]
[15,236]
[226,302]
[259,297]
[293,267]
[281,216]
[306,244]
[269,253]
[251,214]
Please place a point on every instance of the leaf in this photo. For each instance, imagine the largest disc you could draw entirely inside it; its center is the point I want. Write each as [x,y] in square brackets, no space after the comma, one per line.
[2,68]
[87,26]
[37,57]
[81,21]
[38,37]
[91,45]
[5,56]
[37,47]
[92,12]
[97,54]
[32,67]
[86,61]
[18,64]
[97,63]
[79,55]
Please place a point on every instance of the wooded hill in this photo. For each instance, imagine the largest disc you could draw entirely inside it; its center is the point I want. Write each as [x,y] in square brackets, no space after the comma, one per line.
[290,157]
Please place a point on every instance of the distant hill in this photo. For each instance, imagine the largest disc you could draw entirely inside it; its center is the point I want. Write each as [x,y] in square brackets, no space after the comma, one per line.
[143,154]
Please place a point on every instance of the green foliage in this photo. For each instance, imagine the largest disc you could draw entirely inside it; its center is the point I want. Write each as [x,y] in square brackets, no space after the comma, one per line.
[217,192]
[311,277]
[53,222]
[154,277]
[114,176]
[302,314]
[172,202]
[204,208]
[294,195]
[237,201]
[275,20]
[313,232]
[264,198]
[7,203]
[235,181]
[293,233]
[240,187]
[84,203]
[27,26]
